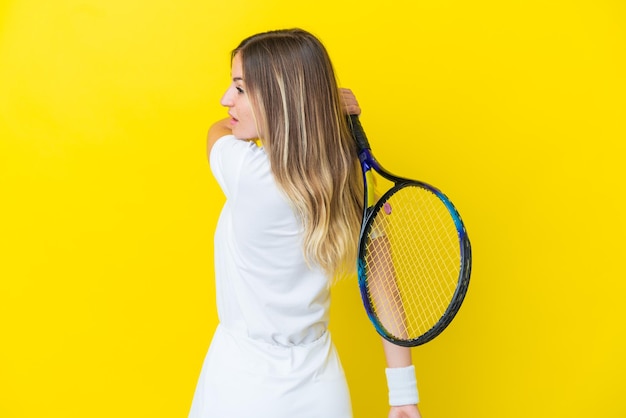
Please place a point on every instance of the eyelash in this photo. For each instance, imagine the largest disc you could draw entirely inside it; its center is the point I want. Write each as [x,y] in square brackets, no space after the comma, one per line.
[239,90]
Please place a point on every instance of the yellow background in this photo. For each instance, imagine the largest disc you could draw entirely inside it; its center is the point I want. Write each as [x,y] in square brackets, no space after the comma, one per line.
[515,109]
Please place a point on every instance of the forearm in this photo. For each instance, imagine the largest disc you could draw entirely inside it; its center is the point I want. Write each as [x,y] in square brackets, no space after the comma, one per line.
[400,375]
[216,131]
[396,356]
[219,129]
[400,372]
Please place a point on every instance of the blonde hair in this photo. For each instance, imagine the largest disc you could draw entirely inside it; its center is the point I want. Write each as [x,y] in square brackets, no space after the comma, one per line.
[294,93]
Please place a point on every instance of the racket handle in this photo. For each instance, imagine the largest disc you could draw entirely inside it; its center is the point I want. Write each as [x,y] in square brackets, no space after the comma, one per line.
[358,133]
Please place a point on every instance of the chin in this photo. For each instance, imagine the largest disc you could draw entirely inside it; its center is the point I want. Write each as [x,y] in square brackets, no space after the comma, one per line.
[245,136]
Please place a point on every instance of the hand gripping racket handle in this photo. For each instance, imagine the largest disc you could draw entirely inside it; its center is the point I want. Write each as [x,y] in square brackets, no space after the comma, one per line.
[358,133]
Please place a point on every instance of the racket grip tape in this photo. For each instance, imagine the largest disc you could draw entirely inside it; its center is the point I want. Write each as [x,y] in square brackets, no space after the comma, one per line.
[358,133]
[402,386]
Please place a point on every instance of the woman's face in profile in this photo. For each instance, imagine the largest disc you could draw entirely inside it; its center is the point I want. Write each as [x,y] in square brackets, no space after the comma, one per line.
[237,101]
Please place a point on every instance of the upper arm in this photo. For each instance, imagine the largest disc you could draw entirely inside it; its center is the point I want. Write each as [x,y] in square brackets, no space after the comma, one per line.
[216,131]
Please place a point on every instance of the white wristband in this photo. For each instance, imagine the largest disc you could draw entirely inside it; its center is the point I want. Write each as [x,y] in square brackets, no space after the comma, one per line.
[402,386]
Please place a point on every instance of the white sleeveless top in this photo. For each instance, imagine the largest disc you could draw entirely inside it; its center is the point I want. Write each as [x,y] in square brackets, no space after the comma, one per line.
[271,355]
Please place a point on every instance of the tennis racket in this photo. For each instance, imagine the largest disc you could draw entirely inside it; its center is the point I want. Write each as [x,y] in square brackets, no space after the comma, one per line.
[414,259]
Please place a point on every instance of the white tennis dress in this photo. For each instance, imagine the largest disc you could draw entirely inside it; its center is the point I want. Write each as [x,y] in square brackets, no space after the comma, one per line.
[271,356]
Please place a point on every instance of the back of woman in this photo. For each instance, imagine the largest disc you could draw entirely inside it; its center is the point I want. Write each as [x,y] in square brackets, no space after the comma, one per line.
[271,355]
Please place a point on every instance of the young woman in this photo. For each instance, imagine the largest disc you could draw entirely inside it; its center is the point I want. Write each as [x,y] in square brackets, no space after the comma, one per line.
[287,164]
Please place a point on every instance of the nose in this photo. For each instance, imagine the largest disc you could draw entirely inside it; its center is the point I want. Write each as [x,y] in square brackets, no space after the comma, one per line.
[227,98]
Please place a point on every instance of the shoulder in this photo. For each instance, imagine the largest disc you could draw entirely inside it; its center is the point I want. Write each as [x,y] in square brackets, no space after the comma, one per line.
[231,155]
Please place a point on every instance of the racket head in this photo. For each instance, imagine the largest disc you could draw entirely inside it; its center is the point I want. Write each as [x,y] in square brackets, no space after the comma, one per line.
[414,262]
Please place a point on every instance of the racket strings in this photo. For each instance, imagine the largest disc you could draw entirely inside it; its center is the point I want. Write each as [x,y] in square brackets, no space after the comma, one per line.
[412,257]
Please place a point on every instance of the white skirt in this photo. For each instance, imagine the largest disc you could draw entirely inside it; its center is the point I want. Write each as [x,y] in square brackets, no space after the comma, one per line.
[244,378]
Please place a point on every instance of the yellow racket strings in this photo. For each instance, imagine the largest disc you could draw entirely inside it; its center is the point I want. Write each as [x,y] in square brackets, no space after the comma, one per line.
[412,259]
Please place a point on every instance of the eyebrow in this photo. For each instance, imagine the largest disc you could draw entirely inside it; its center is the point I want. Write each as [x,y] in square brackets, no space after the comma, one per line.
[237,79]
